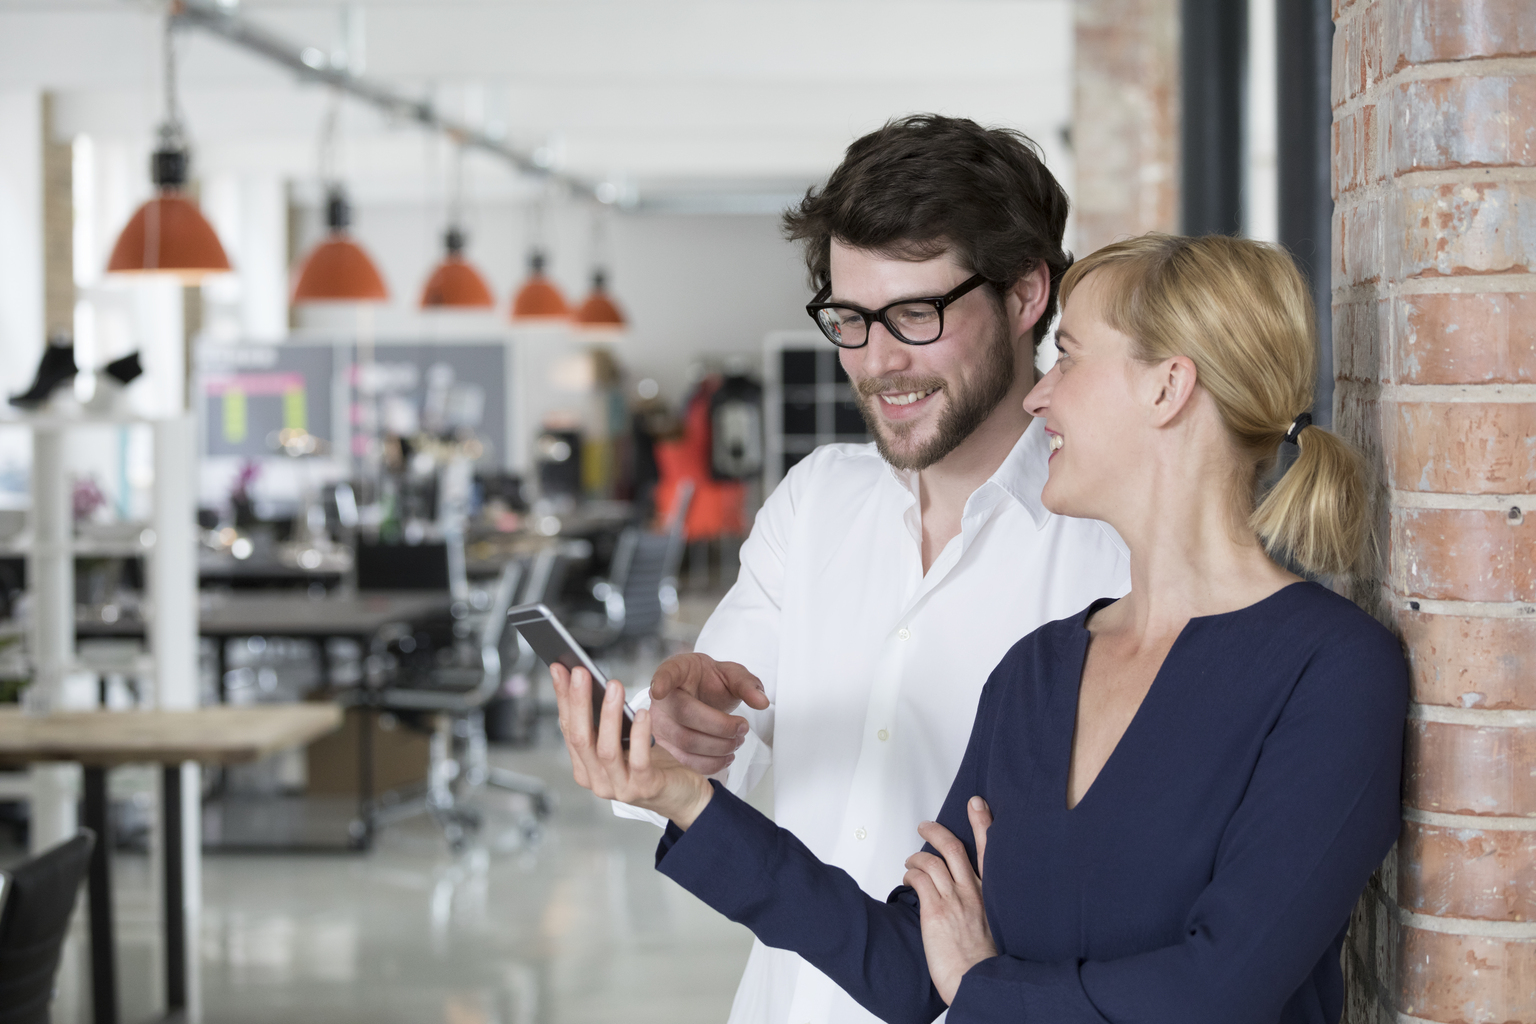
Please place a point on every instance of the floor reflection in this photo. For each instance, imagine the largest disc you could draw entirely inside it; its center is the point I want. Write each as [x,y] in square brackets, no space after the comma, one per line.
[575,928]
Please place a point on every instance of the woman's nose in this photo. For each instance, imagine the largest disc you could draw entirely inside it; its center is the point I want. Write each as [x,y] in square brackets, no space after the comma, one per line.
[1038,401]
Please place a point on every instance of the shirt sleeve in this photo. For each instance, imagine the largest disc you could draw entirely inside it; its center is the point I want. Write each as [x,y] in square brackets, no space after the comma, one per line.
[1319,814]
[757,874]
[744,628]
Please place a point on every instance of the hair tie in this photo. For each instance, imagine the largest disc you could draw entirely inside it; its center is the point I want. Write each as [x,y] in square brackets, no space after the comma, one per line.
[1301,423]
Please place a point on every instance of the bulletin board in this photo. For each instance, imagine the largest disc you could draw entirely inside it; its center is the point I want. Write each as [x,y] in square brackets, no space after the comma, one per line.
[248,393]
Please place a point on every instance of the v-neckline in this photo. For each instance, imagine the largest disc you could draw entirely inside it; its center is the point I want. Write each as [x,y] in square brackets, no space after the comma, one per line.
[1077,690]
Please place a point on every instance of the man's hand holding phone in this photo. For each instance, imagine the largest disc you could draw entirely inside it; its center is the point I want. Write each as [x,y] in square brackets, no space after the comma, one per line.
[692,697]
[644,775]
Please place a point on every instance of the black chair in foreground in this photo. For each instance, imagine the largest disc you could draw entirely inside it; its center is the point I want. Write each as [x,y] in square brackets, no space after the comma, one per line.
[37,899]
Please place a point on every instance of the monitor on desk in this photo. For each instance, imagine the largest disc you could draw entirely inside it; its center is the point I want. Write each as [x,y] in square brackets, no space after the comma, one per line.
[402,566]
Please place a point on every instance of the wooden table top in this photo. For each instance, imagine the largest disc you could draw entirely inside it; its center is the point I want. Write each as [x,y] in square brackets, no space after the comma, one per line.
[214,735]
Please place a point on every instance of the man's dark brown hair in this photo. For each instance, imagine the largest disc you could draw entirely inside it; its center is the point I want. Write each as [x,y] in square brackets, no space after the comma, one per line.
[926,184]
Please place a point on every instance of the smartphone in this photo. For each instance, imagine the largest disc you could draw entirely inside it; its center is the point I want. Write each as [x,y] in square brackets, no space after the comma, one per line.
[552,642]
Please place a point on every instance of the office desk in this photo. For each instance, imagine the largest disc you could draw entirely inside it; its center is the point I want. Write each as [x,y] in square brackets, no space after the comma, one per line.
[357,617]
[99,740]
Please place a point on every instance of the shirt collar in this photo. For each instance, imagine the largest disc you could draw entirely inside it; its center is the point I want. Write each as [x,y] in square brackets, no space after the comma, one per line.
[1023,473]
[1021,476]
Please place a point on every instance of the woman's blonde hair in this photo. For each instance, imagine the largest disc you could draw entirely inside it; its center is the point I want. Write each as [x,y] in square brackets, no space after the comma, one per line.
[1240,311]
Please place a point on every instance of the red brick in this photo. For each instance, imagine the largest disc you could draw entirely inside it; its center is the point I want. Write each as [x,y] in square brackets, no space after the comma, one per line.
[1465,979]
[1426,31]
[1371,44]
[1461,661]
[1356,159]
[1487,338]
[1463,447]
[1479,227]
[1463,555]
[1359,339]
[1357,243]
[1470,769]
[1467,872]
[1447,123]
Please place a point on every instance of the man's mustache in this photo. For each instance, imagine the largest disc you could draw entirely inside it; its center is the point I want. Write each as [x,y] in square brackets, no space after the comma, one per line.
[869,387]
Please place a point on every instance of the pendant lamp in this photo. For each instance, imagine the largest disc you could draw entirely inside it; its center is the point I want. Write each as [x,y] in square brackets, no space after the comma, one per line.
[539,300]
[168,235]
[599,313]
[338,270]
[456,283]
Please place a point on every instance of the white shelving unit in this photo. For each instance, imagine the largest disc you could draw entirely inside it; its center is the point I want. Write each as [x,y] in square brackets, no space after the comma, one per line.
[169,547]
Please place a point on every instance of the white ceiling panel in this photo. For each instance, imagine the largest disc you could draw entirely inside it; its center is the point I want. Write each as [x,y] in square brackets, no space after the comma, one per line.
[714,94]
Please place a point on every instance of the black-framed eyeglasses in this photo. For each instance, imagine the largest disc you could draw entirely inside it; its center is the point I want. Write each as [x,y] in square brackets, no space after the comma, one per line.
[911,321]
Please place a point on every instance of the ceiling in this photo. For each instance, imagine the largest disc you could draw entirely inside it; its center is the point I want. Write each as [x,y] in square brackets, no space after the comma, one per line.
[714,103]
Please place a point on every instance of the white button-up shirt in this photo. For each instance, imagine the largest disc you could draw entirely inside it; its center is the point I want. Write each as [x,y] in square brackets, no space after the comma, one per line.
[874,669]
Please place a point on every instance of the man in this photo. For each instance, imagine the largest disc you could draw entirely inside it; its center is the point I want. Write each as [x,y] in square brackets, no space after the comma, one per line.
[881,583]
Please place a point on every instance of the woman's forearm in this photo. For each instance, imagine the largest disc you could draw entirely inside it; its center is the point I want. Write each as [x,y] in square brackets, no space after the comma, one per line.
[755,873]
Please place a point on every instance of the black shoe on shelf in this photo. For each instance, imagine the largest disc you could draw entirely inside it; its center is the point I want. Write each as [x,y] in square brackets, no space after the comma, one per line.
[57,367]
[124,370]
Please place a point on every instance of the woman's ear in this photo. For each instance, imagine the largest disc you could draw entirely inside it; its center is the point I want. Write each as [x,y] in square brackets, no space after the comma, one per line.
[1174,381]
[1025,302]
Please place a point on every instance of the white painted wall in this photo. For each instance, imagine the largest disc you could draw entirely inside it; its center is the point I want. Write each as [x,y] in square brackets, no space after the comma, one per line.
[21,237]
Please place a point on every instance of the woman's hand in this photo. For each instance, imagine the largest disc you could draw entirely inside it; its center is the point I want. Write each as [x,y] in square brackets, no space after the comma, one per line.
[647,776]
[956,935]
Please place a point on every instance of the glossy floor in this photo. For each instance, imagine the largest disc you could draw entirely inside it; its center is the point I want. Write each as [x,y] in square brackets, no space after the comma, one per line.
[574,927]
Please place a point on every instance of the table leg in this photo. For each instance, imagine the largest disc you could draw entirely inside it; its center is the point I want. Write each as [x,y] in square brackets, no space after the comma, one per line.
[103,945]
[175,890]
[323,657]
[221,662]
[365,808]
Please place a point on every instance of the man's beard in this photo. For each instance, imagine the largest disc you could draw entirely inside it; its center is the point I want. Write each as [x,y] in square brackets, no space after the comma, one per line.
[966,407]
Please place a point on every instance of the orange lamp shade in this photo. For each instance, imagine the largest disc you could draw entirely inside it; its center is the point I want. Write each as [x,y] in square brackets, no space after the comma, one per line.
[168,235]
[456,283]
[338,270]
[539,299]
[598,312]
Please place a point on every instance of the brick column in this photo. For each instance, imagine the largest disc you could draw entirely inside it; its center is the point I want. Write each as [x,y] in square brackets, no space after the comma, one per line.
[1434,248]
[1125,119]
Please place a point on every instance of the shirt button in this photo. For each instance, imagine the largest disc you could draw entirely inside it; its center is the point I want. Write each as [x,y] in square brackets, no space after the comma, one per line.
[859,833]
[883,734]
[903,634]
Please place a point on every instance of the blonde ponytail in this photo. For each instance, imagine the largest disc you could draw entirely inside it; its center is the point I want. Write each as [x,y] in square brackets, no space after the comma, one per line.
[1317,511]
[1242,313]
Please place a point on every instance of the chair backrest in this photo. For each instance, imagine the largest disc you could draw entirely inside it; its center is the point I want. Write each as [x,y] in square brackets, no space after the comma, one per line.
[642,582]
[36,901]
[403,566]
[644,562]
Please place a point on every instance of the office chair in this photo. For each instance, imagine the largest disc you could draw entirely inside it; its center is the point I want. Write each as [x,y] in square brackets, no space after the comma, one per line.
[37,899]
[641,586]
[448,700]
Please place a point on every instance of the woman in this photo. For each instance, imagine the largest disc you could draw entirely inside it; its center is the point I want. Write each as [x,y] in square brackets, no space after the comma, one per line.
[1174,798]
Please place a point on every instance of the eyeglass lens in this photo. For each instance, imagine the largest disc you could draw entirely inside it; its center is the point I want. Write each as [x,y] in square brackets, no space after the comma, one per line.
[916,322]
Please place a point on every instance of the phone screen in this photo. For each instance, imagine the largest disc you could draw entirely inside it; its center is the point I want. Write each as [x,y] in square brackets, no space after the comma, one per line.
[554,644]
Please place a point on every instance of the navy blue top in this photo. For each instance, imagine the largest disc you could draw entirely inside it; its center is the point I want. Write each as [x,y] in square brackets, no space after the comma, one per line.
[1206,877]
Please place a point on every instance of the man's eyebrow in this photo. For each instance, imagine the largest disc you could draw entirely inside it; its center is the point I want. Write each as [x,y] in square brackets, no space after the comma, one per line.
[917,297]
